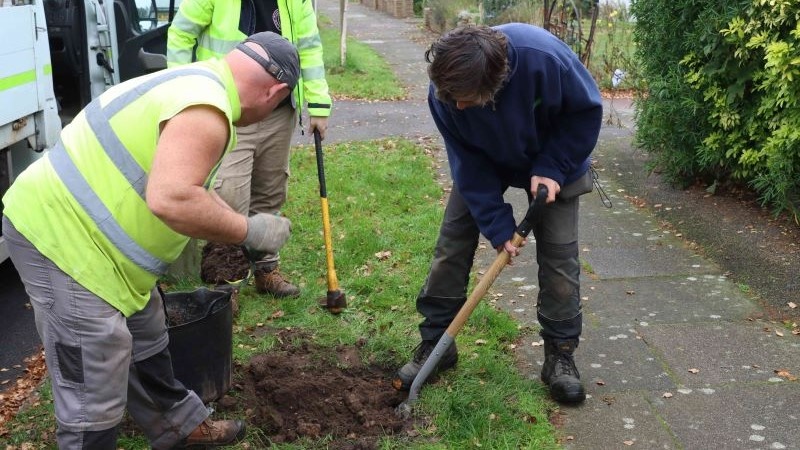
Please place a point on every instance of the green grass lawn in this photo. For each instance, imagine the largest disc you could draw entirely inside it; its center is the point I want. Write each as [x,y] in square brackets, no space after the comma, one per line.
[364,75]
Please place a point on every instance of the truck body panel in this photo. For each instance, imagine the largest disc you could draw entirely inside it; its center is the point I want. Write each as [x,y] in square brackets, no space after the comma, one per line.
[55,57]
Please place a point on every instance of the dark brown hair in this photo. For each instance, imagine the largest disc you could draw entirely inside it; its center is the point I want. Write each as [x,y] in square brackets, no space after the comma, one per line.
[468,61]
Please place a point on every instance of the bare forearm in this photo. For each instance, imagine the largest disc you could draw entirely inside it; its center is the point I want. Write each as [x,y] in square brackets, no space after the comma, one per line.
[198,213]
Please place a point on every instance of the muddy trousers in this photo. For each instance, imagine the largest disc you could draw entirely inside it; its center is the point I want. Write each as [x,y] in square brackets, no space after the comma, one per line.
[254,177]
[99,361]
[445,289]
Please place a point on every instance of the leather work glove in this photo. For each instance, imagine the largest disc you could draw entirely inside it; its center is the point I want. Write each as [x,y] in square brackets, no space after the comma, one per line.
[267,232]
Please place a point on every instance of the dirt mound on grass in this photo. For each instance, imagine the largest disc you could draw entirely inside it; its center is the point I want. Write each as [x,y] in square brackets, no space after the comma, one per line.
[304,392]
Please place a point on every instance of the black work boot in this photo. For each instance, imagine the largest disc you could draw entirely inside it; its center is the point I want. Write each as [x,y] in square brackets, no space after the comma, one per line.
[559,371]
[405,375]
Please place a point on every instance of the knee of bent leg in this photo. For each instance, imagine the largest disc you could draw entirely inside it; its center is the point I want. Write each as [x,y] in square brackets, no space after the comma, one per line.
[559,280]
[559,252]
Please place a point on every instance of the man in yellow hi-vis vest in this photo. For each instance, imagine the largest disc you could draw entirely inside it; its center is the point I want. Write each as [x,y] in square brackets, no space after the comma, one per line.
[254,177]
[93,224]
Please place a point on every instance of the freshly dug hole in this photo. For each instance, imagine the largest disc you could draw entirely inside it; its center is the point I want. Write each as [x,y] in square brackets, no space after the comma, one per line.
[305,392]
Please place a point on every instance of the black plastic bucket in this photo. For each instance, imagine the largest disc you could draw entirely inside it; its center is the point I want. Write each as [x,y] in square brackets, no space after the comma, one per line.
[201,340]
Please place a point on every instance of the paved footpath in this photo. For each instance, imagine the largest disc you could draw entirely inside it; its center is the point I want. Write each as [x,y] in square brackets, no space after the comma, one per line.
[672,354]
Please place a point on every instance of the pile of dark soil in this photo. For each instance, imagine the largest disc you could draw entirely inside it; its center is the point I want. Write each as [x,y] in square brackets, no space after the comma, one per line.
[308,394]
[223,263]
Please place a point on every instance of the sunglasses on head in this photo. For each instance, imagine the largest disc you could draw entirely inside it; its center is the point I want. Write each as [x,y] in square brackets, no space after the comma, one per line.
[271,68]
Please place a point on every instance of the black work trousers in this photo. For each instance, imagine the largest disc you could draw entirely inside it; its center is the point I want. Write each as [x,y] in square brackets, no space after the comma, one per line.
[556,235]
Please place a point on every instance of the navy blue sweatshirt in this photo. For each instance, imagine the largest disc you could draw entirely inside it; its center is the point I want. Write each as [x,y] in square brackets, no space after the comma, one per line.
[544,121]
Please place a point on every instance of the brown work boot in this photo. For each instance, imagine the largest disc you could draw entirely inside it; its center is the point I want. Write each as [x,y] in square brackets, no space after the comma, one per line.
[214,433]
[272,282]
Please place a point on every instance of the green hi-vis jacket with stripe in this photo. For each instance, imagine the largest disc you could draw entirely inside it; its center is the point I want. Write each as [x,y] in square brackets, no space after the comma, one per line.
[83,204]
[213,26]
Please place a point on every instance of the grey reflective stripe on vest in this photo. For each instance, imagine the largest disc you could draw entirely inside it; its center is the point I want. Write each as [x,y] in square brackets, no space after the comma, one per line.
[313,73]
[215,45]
[309,42]
[72,178]
[98,118]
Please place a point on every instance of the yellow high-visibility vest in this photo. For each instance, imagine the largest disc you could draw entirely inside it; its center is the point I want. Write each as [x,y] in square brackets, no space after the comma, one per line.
[211,29]
[83,205]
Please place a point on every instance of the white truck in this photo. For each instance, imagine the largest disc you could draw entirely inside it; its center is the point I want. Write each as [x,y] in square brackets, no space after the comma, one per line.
[56,56]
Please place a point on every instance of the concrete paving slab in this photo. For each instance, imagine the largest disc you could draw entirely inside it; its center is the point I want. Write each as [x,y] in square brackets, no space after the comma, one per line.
[724,352]
[651,261]
[658,300]
[610,360]
[615,359]
[758,417]
[621,225]
[619,422]
[623,241]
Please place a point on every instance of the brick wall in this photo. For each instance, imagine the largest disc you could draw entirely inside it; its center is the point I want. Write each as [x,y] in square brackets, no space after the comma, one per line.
[397,8]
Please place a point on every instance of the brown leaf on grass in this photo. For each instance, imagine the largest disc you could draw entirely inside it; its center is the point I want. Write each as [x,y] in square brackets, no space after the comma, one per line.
[384,255]
[783,373]
[277,314]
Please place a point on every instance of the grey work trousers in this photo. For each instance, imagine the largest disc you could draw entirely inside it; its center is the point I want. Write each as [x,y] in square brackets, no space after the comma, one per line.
[254,177]
[100,361]
[558,308]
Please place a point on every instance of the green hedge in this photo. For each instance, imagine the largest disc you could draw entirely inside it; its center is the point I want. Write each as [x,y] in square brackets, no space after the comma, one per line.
[723,97]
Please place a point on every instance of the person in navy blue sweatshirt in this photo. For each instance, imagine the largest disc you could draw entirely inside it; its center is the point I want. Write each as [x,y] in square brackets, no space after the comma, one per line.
[516,108]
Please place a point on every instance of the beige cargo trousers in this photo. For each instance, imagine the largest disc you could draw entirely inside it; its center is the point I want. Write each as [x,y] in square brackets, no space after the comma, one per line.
[254,177]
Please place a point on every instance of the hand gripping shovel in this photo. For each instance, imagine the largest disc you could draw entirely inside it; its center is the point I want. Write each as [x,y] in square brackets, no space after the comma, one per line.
[523,229]
[335,301]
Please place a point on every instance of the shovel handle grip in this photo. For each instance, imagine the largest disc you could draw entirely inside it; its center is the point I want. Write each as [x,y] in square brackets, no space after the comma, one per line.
[532,215]
[323,191]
